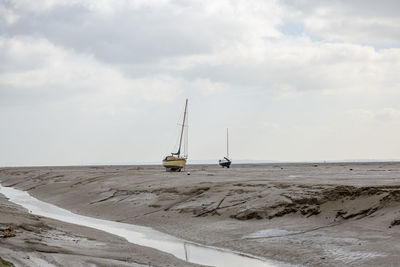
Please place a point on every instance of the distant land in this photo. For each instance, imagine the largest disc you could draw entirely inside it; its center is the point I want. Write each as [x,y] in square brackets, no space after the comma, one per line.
[248,161]
[209,162]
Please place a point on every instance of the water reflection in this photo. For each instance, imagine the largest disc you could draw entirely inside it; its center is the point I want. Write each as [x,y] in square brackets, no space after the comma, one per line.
[144,236]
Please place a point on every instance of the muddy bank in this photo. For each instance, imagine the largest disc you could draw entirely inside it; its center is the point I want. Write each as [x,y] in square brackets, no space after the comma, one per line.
[29,240]
[325,214]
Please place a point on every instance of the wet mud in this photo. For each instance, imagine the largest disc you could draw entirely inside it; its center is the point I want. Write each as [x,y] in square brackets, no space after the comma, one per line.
[330,214]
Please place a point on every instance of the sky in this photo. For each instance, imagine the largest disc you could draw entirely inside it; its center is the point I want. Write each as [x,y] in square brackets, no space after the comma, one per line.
[104,82]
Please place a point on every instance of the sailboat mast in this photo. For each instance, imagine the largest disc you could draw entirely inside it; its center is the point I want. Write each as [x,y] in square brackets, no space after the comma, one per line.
[183,126]
[227,143]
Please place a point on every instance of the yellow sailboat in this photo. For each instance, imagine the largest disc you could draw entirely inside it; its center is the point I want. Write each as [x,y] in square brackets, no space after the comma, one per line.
[175,162]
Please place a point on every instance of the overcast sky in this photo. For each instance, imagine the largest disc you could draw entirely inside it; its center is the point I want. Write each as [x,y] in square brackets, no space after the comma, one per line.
[104,82]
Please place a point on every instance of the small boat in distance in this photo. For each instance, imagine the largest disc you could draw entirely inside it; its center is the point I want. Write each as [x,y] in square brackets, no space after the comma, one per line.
[175,162]
[226,162]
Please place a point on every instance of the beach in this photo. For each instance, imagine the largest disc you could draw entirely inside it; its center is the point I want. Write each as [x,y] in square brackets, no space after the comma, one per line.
[314,214]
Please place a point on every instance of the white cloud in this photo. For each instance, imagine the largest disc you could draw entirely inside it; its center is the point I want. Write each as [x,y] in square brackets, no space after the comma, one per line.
[383,115]
[208,87]
[284,69]
[295,65]
[361,114]
[95,5]
[234,43]
[63,74]
[368,22]
[388,114]
[7,15]
[286,91]
[158,88]
[136,31]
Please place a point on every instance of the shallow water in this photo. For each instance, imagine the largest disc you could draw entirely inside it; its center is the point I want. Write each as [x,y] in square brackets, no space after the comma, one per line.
[140,235]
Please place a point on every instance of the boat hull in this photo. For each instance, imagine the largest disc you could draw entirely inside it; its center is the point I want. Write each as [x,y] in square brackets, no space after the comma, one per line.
[174,164]
[225,163]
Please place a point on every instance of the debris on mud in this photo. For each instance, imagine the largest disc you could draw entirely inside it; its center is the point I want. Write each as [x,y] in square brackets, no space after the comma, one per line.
[395,222]
[8,232]
[5,263]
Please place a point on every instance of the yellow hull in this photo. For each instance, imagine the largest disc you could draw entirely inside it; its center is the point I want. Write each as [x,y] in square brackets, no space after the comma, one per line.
[174,164]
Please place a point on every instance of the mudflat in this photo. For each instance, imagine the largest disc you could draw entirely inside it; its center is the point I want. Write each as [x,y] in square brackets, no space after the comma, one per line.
[328,214]
[30,240]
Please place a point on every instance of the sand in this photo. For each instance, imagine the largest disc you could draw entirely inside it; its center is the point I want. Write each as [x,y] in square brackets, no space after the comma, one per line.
[311,214]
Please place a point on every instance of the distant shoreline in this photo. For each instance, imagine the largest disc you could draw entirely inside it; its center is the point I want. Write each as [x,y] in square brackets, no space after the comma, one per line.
[211,162]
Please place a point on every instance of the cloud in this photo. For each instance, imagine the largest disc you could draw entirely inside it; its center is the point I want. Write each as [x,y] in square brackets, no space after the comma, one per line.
[366,22]
[234,43]
[158,88]
[36,71]
[284,69]
[382,115]
[361,114]
[140,31]
[7,15]
[208,87]
[388,114]
[298,64]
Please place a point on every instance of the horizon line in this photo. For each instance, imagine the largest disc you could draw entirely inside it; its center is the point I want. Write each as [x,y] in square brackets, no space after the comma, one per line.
[206,162]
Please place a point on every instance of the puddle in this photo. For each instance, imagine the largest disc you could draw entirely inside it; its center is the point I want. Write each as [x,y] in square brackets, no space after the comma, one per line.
[295,176]
[140,235]
[269,233]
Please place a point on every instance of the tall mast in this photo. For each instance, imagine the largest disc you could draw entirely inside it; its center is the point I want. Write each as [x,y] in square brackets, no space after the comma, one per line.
[227,143]
[183,126]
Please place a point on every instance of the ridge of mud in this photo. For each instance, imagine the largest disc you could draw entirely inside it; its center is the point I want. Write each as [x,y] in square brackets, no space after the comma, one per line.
[249,201]
[245,204]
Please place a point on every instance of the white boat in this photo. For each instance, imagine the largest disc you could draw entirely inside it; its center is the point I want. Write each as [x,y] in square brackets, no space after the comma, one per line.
[226,162]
